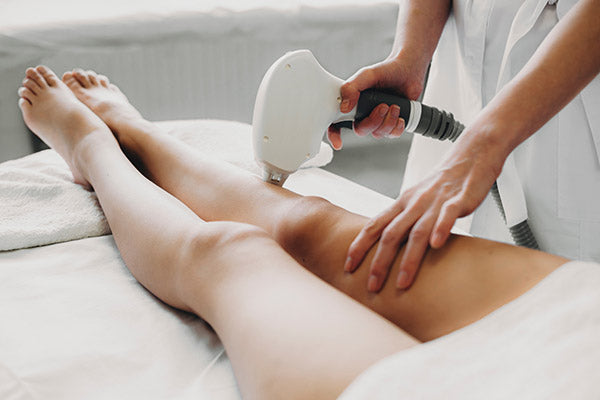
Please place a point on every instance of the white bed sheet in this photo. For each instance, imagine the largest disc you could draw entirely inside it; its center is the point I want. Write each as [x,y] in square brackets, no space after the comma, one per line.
[75,324]
[543,346]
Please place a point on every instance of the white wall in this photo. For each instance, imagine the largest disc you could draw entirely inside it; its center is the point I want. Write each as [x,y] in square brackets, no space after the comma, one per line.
[193,63]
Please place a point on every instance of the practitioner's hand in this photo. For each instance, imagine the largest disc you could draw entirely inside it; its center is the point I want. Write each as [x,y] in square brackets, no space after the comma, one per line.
[399,75]
[425,213]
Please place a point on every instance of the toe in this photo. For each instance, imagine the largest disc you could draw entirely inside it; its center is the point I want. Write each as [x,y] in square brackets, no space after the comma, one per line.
[35,76]
[81,77]
[31,85]
[114,88]
[24,103]
[26,94]
[72,83]
[69,79]
[48,75]
[103,80]
[92,76]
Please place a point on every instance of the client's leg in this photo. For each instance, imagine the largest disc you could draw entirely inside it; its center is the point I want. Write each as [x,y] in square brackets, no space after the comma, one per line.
[287,333]
[457,285]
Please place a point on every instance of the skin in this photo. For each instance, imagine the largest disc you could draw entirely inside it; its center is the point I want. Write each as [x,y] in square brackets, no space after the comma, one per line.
[424,214]
[266,273]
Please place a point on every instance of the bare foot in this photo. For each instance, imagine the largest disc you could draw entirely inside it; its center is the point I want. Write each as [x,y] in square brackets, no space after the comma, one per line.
[104,99]
[54,114]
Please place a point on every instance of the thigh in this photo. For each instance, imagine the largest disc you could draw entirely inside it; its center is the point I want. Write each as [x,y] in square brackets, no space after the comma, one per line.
[287,333]
[455,286]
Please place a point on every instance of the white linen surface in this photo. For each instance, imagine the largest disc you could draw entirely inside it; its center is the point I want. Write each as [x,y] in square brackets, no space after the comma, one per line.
[76,324]
[41,205]
[543,345]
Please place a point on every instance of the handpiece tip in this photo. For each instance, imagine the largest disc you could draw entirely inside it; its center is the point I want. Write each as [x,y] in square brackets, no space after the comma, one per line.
[274,177]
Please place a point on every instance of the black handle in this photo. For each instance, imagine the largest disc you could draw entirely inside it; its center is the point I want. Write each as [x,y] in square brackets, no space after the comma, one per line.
[371,98]
[434,123]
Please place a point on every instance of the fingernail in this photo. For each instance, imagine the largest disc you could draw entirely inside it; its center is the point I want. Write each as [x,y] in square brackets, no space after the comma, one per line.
[372,284]
[348,264]
[401,123]
[383,110]
[402,280]
[345,104]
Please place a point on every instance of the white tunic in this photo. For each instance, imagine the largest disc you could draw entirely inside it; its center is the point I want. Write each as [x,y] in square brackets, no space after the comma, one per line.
[485,43]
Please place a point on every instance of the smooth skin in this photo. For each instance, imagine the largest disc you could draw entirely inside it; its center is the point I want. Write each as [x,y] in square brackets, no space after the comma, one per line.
[245,277]
[312,230]
[424,214]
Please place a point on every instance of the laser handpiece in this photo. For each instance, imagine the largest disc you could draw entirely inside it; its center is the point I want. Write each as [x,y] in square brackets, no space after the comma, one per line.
[298,99]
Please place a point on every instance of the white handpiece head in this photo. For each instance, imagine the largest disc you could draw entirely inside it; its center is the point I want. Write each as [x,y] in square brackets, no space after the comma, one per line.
[297,100]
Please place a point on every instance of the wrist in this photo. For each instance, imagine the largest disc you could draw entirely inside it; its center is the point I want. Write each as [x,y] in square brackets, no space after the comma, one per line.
[486,140]
[412,69]
[503,126]
[416,58]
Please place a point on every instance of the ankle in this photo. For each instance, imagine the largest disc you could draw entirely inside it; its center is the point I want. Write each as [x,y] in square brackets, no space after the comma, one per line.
[133,133]
[89,147]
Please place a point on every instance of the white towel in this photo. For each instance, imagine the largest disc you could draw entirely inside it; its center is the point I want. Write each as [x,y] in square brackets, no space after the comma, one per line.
[40,204]
[542,345]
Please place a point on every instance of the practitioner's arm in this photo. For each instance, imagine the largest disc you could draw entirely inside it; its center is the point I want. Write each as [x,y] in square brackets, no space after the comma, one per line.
[566,61]
[420,24]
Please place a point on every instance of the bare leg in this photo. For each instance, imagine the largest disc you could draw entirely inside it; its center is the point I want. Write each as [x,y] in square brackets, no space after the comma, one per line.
[457,285]
[268,310]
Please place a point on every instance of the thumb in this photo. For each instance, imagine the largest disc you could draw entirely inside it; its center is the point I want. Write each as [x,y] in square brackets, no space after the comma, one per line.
[365,78]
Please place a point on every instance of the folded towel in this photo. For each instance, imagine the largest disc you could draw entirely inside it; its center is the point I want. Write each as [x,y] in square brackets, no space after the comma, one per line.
[40,204]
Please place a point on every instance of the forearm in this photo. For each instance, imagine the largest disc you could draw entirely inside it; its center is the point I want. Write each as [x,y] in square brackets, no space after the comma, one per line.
[566,61]
[420,25]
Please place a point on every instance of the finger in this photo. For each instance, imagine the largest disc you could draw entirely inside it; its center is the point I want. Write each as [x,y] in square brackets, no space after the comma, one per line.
[369,234]
[34,76]
[393,235]
[418,240]
[350,91]
[372,122]
[450,211]
[335,137]
[398,129]
[389,122]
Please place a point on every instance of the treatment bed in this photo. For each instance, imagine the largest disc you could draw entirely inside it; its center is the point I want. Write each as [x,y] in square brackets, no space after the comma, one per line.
[75,324]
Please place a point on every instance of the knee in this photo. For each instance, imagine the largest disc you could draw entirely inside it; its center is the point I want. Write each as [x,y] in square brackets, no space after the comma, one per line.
[218,245]
[218,238]
[304,222]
